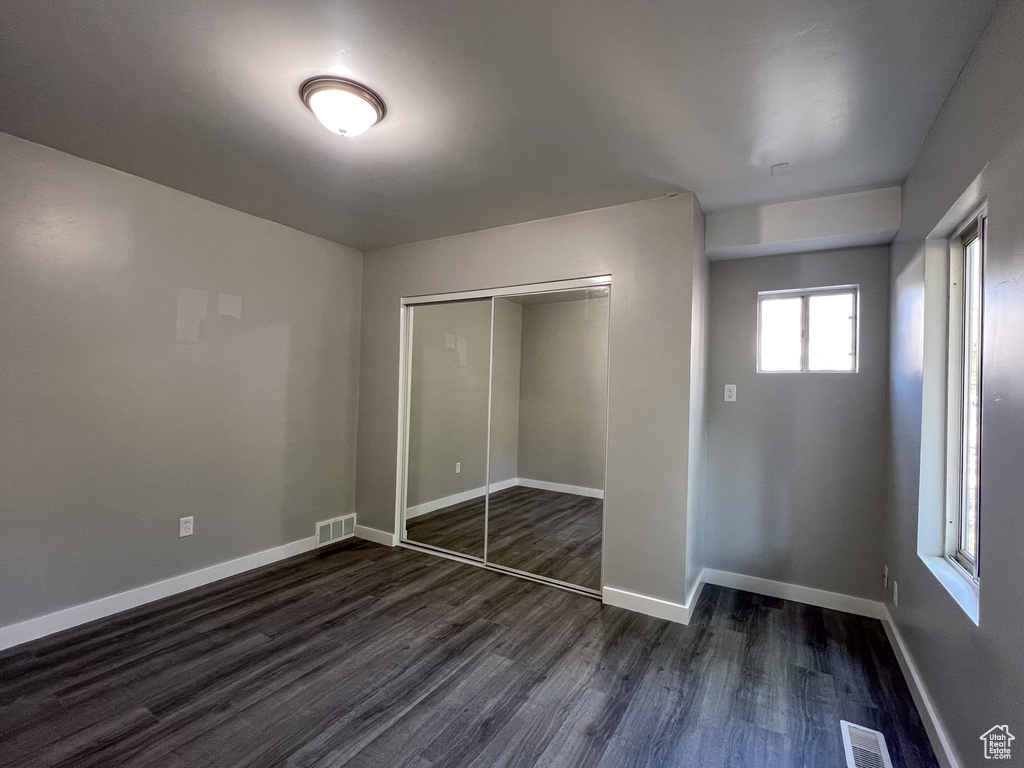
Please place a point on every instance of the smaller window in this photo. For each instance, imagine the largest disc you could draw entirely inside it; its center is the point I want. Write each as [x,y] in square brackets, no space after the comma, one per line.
[963,419]
[808,330]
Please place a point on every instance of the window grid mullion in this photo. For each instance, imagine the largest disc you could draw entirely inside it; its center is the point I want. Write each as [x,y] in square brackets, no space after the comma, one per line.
[805,341]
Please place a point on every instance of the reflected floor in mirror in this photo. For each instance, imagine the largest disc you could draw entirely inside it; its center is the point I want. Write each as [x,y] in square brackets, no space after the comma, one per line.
[550,534]
[556,535]
[458,528]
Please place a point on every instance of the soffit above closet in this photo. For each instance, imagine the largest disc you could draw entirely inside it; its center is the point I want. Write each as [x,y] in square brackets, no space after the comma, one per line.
[498,112]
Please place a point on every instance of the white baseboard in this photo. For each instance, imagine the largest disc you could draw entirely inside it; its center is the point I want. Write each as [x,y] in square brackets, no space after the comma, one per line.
[695,590]
[942,745]
[32,629]
[456,498]
[503,484]
[544,485]
[808,595]
[655,606]
[475,493]
[650,606]
[446,501]
[376,535]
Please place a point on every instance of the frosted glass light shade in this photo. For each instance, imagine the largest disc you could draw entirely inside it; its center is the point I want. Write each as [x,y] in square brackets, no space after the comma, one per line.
[343,107]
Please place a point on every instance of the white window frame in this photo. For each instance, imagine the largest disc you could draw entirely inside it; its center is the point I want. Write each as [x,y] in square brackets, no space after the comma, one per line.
[957,372]
[806,294]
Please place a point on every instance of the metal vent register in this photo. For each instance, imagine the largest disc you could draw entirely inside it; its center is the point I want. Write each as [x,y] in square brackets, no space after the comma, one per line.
[865,748]
[330,531]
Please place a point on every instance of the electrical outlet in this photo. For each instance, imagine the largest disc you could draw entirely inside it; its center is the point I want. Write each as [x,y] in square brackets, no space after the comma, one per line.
[895,595]
[730,393]
[458,467]
[885,575]
[185,525]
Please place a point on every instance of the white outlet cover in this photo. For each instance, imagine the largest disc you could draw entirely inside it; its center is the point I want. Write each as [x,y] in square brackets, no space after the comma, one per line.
[186,526]
[730,393]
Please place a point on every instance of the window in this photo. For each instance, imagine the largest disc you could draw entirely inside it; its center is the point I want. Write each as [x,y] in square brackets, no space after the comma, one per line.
[963,414]
[807,330]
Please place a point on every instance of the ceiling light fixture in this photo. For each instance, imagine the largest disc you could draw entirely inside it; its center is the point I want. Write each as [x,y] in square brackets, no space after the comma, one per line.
[343,106]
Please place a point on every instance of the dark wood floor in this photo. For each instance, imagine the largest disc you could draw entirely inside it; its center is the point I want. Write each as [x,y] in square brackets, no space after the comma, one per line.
[551,534]
[458,528]
[372,657]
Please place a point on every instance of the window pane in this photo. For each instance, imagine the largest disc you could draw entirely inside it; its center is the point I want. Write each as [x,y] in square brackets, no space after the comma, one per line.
[972,399]
[830,342]
[780,343]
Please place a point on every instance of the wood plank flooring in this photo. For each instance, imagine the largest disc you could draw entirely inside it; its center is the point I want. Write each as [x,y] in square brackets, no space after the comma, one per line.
[557,535]
[458,528]
[372,657]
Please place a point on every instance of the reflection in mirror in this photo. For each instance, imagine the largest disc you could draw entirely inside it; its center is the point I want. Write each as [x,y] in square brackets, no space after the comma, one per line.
[446,466]
[548,424]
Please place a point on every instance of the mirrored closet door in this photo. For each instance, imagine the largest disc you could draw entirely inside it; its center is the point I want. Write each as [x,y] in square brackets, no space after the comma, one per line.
[506,406]
[449,365]
[548,418]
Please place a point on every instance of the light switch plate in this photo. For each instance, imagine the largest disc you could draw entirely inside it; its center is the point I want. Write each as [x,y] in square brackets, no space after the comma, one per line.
[730,393]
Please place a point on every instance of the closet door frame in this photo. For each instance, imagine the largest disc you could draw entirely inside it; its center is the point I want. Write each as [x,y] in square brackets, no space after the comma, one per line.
[404,393]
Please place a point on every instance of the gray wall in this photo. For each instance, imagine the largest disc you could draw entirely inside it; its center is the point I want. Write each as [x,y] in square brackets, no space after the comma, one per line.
[647,247]
[974,674]
[796,475]
[111,429]
[563,396]
[508,344]
[448,399]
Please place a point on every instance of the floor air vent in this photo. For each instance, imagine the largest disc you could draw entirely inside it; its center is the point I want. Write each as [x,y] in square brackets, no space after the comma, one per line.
[330,531]
[865,748]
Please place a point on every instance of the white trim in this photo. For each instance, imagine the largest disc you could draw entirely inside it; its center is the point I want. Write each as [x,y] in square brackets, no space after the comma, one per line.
[501,485]
[822,598]
[476,493]
[958,583]
[404,368]
[41,626]
[942,745]
[544,485]
[376,535]
[457,498]
[445,501]
[695,592]
[654,606]
[651,606]
[607,428]
[490,400]
[512,290]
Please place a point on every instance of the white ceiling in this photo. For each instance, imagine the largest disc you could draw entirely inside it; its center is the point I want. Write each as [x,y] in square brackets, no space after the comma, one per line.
[498,112]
